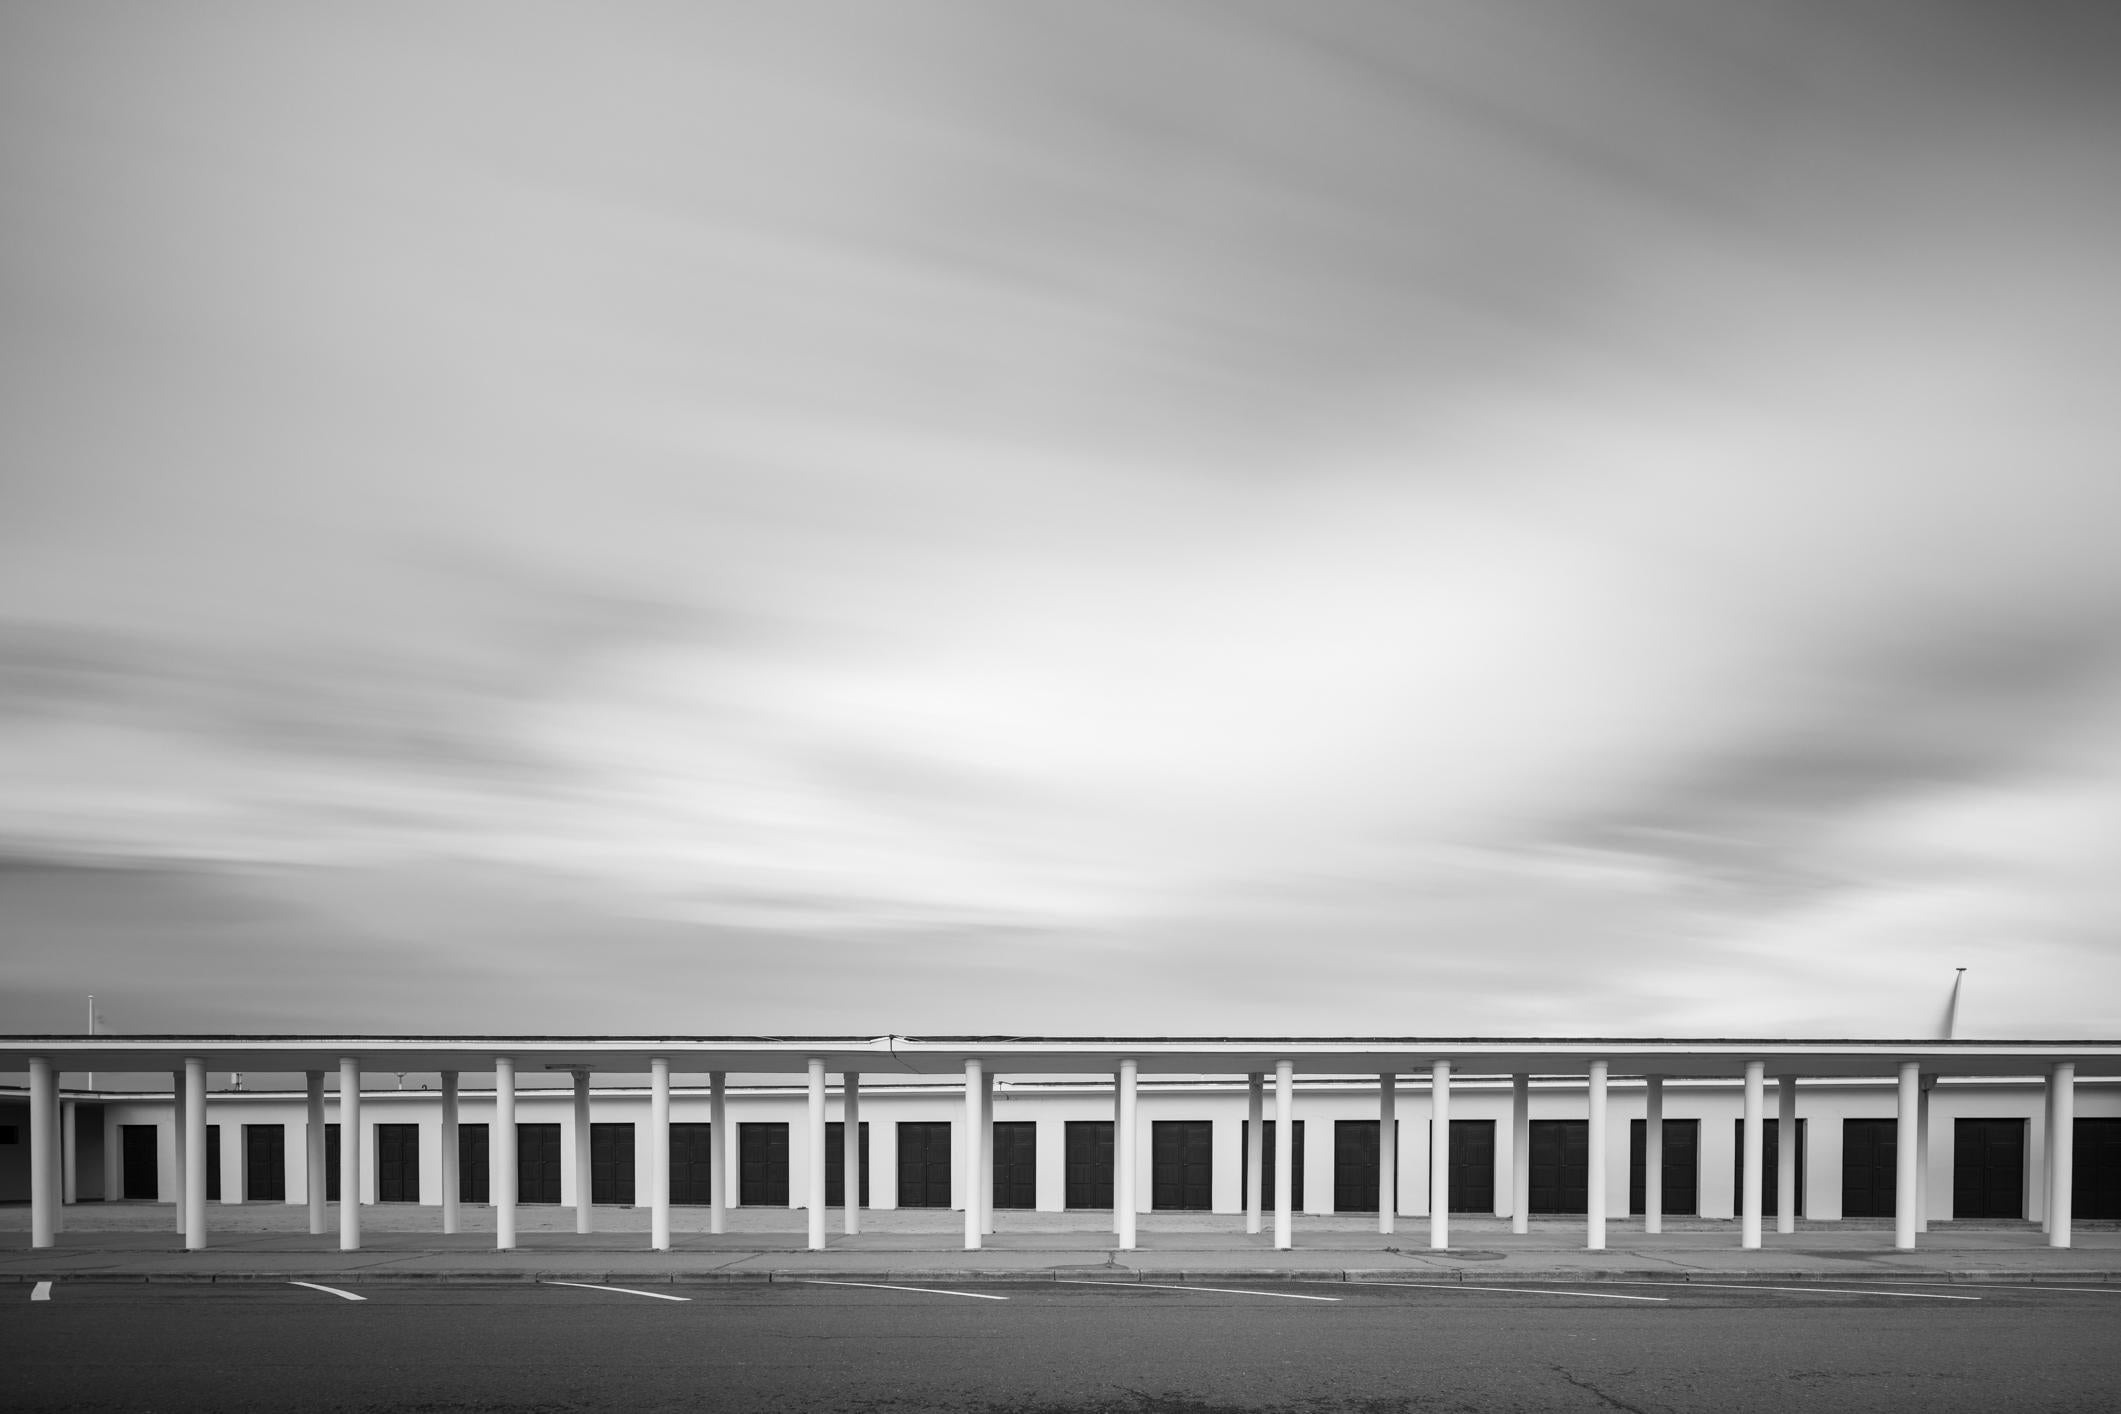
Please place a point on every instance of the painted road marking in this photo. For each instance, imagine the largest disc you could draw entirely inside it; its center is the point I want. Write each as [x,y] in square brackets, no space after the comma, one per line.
[333,1290]
[1216,1290]
[923,1290]
[1532,1290]
[1809,1290]
[42,1291]
[621,1290]
[2026,1286]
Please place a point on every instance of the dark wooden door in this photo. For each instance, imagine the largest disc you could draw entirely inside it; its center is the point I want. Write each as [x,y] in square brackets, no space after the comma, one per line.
[611,1164]
[1682,1166]
[537,1163]
[924,1164]
[1561,1166]
[692,1163]
[1472,1166]
[1770,1166]
[1182,1165]
[836,1164]
[1988,1168]
[762,1164]
[1089,1163]
[331,1163]
[1870,1149]
[1355,1161]
[2095,1172]
[213,1163]
[397,1163]
[140,1161]
[265,1163]
[1016,1163]
[1266,1166]
[474,1177]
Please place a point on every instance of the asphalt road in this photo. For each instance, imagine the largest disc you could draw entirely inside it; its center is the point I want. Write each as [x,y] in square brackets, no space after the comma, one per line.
[1059,1349]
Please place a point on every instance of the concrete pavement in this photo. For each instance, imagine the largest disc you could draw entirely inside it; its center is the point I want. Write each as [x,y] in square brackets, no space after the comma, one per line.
[136,1242]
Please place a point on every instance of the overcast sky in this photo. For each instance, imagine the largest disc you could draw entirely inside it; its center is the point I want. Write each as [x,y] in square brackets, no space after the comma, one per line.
[1454,518]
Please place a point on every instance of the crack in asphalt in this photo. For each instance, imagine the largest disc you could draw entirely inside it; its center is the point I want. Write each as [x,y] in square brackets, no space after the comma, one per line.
[1584,1384]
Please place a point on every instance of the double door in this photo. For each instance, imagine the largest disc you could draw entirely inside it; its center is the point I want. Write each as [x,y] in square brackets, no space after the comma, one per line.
[1182,1165]
[1988,1168]
[1770,1168]
[1682,1166]
[1870,1151]
[924,1164]
[1016,1163]
[1089,1163]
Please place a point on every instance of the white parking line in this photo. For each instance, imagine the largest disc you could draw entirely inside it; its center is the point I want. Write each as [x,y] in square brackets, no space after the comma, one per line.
[1217,1290]
[342,1295]
[1809,1290]
[621,1290]
[1530,1290]
[42,1291]
[923,1290]
[2027,1286]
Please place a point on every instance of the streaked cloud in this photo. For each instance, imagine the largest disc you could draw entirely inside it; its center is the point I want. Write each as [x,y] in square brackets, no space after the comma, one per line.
[1455,517]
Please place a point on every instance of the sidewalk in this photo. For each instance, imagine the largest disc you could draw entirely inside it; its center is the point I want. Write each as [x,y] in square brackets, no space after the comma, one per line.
[136,1242]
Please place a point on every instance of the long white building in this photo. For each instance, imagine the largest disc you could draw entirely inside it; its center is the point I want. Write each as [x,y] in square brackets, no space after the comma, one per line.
[1753,1131]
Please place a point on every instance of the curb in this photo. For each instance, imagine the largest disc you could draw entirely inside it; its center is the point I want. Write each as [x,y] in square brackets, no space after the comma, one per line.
[1121,1277]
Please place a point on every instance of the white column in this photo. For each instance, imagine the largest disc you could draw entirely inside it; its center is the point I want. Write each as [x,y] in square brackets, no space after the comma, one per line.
[349,1154]
[180,1132]
[1786,1153]
[69,1150]
[1119,1201]
[659,1154]
[815,1158]
[1387,1150]
[851,1149]
[1284,1149]
[2061,1150]
[1922,1151]
[60,1154]
[1594,1204]
[1749,1180]
[984,1189]
[1520,1153]
[501,1155]
[1255,1146]
[1653,1155]
[973,1225]
[1126,1155]
[194,1154]
[1440,1156]
[718,1151]
[1906,1154]
[2047,1113]
[43,1139]
[583,1170]
[313,1150]
[113,1156]
[452,1151]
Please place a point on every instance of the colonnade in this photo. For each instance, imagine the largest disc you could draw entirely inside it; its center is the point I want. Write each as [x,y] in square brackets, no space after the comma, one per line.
[189,1084]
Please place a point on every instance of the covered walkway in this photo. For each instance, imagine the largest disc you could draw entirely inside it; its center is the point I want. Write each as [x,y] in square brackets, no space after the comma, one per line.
[1269,1068]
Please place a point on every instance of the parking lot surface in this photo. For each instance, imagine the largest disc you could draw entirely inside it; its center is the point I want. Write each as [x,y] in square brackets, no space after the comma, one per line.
[1073,1346]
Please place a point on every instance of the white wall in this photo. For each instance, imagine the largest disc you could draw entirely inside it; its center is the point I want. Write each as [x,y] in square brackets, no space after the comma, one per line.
[1715,1105]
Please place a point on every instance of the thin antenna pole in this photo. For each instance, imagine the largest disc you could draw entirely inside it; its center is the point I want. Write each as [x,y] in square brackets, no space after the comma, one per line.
[1951,1007]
